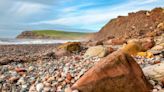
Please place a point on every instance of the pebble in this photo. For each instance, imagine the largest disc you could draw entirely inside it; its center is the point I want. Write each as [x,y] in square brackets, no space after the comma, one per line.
[75,91]
[55,75]
[32,88]
[39,87]
[21,81]
[154,90]
[158,87]
[47,89]
[31,68]
[152,82]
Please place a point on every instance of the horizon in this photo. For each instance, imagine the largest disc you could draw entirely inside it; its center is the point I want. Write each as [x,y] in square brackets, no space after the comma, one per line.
[65,15]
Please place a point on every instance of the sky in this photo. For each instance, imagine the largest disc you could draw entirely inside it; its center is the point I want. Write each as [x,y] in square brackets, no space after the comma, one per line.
[68,15]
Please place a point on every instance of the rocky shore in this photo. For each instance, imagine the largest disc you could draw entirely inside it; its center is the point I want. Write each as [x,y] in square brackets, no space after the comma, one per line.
[56,68]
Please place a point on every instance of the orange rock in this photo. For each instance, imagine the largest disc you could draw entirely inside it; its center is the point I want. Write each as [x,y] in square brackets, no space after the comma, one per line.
[69,77]
[110,49]
[145,54]
[132,48]
[118,72]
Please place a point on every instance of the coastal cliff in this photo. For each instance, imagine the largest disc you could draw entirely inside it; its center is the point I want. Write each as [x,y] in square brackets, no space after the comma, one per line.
[137,24]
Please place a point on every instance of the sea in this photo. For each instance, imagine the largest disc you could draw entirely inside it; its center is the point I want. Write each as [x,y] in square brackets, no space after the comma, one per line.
[12,41]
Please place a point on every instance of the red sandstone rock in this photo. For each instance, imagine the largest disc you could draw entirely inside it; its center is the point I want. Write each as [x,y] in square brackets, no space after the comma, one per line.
[148,44]
[118,72]
[110,49]
[134,25]
[118,41]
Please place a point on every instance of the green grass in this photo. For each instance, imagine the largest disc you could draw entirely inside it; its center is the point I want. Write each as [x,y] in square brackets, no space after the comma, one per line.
[60,34]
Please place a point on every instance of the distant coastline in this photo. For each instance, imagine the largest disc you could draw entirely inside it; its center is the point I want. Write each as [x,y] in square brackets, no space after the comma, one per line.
[53,34]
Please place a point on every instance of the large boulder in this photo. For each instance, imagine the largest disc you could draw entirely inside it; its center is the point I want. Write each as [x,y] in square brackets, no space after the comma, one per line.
[118,72]
[155,72]
[71,46]
[99,51]
[67,48]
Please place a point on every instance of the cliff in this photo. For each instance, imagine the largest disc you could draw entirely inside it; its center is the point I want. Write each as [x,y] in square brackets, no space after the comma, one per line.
[139,24]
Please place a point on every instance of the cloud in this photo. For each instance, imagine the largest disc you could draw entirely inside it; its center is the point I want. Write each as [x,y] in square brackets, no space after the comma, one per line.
[101,15]
[75,7]
[25,9]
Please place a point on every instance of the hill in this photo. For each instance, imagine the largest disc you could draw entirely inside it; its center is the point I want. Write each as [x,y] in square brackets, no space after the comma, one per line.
[139,24]
[52,34]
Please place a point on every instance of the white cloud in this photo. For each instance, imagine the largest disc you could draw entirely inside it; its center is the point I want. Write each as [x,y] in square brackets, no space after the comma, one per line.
[74,8]
[25,9]
[100,15]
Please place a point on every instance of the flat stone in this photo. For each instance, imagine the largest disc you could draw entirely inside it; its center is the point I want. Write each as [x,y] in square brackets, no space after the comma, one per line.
[155,71]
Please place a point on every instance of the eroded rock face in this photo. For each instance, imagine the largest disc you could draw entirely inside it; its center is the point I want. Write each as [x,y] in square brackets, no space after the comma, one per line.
[134,25]
[117,72]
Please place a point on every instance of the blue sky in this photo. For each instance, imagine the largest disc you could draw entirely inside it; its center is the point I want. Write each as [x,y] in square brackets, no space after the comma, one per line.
[69,15]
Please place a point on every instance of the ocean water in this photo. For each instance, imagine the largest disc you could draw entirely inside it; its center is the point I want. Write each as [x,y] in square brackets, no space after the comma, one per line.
[8,41]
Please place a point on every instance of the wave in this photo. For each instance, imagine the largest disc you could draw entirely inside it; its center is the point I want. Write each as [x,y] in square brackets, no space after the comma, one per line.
[32,41]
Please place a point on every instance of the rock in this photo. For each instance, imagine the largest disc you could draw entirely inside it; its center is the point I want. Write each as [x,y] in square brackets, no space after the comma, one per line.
[69,77]
[71,46]
[119,41]
[162,90]
[67,48]
[93,43]
[50,79]
[47,89]
[147,43]
[49,55]
[157,47]
[133,41]
[110,49]
[160,26]
[32,88]
[20,70]
[145,54]
[144,43]
[61,52]
[155,72]
[39,87]
[31,68]
[21,81]
[155,90]
[118,72]
[152,82]
[70,90]
[99,51]
[13,79]
[132,48]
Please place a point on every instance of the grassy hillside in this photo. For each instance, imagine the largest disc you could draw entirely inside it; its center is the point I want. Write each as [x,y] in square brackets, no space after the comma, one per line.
[60,34]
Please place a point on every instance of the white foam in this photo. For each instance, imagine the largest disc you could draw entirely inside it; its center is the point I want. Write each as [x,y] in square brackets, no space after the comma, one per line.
[32,41]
